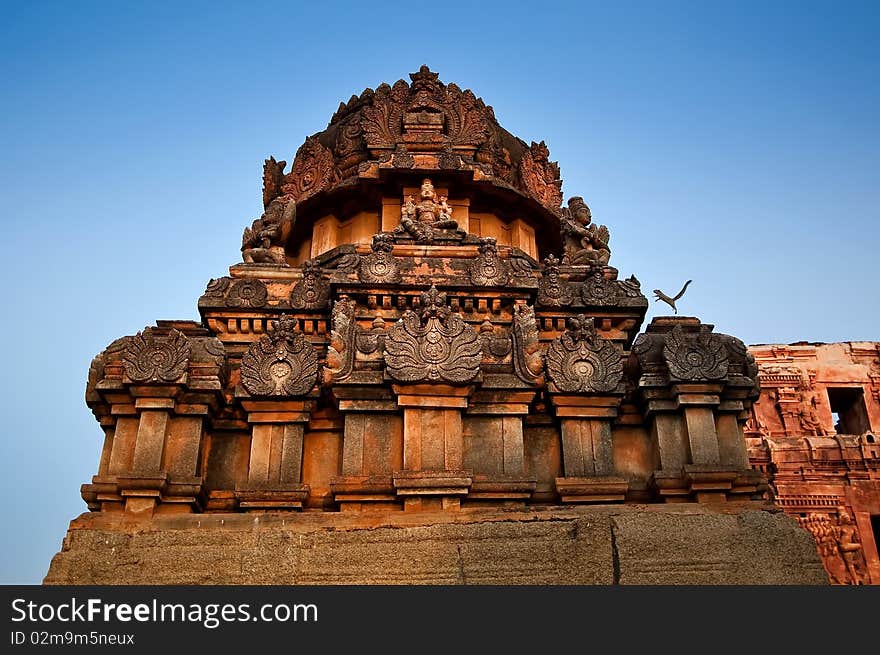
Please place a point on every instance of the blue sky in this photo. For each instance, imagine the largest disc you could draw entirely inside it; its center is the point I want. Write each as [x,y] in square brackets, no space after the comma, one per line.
[733,143]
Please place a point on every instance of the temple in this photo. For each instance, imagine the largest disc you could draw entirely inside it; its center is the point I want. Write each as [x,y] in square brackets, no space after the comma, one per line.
[813,432]
[426,369]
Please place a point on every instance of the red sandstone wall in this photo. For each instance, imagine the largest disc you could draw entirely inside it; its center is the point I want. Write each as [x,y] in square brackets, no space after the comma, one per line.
[814,432]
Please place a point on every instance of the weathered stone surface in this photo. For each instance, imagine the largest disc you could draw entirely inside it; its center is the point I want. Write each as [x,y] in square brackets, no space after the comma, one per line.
[601,545]
[751,547]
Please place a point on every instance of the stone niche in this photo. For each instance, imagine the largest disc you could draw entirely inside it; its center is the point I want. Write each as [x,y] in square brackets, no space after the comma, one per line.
[422,340]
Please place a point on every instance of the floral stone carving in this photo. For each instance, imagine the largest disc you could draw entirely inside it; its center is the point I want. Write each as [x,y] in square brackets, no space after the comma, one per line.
[552,289]
[599,291]
[581,361]
[313,170]
[247,293]
[153,358]
[489,269]
[282,363]
[433,345]
[540,176]
[381,265]
[700,356]
[312,291]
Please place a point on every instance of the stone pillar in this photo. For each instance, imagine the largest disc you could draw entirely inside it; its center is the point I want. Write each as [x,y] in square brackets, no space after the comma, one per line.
[585,386]
[433,356]
[274,477]
[372,449]
[278,374]
[152,393]
[695,386]
[432,474]
[587,449]
[503,413]
[144,481]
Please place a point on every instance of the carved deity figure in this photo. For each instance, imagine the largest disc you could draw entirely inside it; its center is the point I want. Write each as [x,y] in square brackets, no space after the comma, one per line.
[584,244]
[838,546]
[810,422]
[422,219]
[754,425]
[445,210]
[262,242]
[849,546]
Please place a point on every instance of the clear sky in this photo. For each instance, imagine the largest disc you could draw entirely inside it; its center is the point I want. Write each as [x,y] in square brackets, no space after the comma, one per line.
[734,143]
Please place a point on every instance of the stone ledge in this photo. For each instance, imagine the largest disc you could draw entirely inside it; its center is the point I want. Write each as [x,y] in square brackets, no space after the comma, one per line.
[684,544]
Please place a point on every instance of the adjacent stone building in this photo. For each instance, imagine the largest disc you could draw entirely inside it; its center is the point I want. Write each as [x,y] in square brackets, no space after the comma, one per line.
[814,432]
[426,369]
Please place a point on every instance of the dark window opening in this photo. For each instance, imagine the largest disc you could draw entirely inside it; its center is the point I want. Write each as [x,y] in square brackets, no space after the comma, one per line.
[848,410]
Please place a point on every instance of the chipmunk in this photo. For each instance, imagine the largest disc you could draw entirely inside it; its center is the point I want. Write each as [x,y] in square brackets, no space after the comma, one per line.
[671,301]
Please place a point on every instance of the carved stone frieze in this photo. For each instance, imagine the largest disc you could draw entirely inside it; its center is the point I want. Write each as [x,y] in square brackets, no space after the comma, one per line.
[528,358]
[449,159]
[217,288]
[281,363]
[149,357]
[489,269]
[313,170]
[312,291]
[433,345]
[397,123]
[349,147]
[465,119]
[598,291]
[380,266]
[382,121]
[247,293]
[540,176]
[838,545]
[693,357]
[581,361]
[553,291]
[402,158]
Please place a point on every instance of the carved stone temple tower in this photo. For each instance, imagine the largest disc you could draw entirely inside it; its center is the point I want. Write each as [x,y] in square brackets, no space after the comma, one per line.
[425,370]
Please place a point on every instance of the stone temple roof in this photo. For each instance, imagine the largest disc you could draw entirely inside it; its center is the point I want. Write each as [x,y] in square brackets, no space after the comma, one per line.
[422,125]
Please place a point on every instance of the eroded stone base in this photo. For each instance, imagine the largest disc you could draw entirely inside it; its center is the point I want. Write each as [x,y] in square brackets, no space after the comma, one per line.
[641,544]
